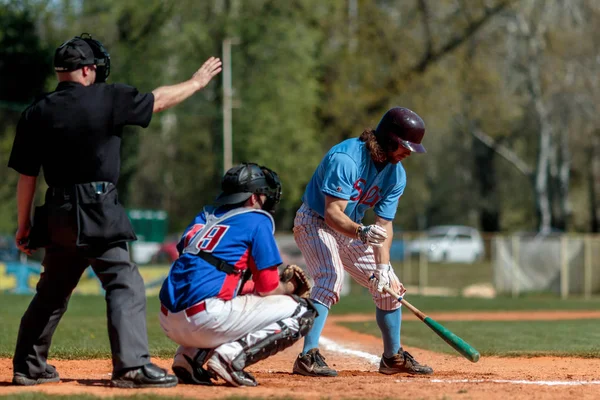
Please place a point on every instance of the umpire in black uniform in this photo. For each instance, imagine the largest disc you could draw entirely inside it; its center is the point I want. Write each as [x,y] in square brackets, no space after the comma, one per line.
[74,134]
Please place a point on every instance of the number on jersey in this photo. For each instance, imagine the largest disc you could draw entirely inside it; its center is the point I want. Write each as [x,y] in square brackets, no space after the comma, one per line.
[209,239]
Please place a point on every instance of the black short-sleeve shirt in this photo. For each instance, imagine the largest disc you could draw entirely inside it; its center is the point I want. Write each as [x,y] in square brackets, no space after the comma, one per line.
[74,133]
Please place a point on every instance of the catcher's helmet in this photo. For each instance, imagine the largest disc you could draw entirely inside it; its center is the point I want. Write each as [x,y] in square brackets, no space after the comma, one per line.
[81,51]
[400,126]
[243,180]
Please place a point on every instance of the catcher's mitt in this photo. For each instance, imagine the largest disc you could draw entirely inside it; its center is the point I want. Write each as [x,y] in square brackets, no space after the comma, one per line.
[295,273]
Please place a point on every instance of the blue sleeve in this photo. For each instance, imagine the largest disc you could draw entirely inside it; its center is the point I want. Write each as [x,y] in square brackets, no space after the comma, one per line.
[387,206]
[264,248]
[340,174]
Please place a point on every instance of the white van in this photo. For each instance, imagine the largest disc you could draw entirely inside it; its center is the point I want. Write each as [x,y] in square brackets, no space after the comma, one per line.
[449,243]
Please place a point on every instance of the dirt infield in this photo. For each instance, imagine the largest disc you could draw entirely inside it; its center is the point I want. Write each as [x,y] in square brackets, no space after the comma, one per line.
[453,378]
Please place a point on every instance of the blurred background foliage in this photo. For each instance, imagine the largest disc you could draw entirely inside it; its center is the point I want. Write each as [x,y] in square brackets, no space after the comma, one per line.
[509,91]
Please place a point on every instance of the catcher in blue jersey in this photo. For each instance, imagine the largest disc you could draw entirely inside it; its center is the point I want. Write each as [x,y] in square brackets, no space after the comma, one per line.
[355,175]
[209,305]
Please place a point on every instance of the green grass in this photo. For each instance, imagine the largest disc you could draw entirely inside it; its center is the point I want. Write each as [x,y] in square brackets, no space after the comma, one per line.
[82,333]
[359,301]
[448,275]
[40,396]
[576,338]
[78,396]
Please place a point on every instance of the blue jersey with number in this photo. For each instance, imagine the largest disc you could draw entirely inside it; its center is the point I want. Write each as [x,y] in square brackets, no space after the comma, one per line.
[244,240]
[348,172]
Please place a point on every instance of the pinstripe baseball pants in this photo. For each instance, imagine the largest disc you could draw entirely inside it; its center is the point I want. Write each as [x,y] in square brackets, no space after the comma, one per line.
[328,253]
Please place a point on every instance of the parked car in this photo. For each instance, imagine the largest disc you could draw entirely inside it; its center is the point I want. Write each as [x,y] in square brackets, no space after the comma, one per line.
[449,243]
[166,253]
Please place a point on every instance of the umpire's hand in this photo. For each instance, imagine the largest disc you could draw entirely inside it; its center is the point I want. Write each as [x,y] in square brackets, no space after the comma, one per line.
[207,71]
[22,238]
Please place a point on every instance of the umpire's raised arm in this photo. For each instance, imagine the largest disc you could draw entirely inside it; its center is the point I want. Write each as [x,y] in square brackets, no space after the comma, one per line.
[167,96]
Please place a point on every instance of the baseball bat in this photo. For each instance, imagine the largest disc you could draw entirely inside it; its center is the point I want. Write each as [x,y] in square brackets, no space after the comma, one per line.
[464,348]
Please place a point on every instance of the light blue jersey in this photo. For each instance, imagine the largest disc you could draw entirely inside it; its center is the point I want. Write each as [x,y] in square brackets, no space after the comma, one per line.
[348,172]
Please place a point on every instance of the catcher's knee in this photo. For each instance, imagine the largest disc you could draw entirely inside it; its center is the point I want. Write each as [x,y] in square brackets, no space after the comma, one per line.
[289,331]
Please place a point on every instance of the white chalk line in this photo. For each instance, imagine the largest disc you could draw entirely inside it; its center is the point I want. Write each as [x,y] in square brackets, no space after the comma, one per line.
[516,382]
[331,345]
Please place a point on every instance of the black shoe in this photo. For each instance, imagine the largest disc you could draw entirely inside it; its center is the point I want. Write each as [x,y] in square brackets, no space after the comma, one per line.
[48,376]
[148,376]
[190,371]
[312,364]
[403,362]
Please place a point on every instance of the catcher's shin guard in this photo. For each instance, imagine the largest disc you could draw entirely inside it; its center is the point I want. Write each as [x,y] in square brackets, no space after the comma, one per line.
[189,370]
[276,337]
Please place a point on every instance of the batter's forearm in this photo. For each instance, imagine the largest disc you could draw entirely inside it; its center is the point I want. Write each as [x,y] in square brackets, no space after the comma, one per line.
[340,222]
[382,254]
[168,96]
[25,194]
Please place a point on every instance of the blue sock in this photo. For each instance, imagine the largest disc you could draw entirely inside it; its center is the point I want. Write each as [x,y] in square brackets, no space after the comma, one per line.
[311,340]
[389,324]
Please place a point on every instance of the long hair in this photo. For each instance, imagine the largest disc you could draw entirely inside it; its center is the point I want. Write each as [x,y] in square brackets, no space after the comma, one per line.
[375,150]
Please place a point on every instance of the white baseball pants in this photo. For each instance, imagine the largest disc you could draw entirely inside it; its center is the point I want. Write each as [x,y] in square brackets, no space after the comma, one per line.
[250,317]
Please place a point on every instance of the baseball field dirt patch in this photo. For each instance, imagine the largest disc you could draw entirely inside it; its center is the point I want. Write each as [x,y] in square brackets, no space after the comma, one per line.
[355,356]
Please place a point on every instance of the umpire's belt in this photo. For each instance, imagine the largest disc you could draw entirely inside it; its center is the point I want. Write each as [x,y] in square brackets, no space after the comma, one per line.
[219,264]
[65,192]
[189,312]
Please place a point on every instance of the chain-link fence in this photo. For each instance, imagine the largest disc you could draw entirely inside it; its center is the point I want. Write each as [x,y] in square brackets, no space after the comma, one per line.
[487,265]
[447,261]
[561,264]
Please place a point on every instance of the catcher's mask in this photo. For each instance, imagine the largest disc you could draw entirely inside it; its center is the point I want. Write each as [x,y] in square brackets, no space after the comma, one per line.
[81,51]
[246,179]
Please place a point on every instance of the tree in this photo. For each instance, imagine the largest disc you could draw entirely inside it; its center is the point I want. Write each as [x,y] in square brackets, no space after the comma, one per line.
[25,64]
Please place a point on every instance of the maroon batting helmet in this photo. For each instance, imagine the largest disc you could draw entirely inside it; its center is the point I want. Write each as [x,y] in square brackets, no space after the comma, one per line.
[400,126]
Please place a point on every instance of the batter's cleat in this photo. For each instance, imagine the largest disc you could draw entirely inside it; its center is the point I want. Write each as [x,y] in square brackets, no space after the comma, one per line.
[190,371]
[403,362]
[312,364]
[147,376]
[48,376]
[219,366]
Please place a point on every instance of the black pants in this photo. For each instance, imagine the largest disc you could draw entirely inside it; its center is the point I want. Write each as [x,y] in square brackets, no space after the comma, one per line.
[125,302]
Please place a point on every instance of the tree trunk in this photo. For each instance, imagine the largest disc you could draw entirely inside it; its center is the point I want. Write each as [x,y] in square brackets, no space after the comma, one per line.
[594,182]
[564,178]
[489,209]
[545,146]
[542,195]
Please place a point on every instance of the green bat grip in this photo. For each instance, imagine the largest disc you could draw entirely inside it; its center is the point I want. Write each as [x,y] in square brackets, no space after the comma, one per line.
[456,342]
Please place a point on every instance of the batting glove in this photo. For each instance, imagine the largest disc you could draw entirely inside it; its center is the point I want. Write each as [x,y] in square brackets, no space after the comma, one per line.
[374,235]
[381,277]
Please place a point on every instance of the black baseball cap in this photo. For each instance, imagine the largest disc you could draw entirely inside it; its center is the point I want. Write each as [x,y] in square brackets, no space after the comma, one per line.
[72,55]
